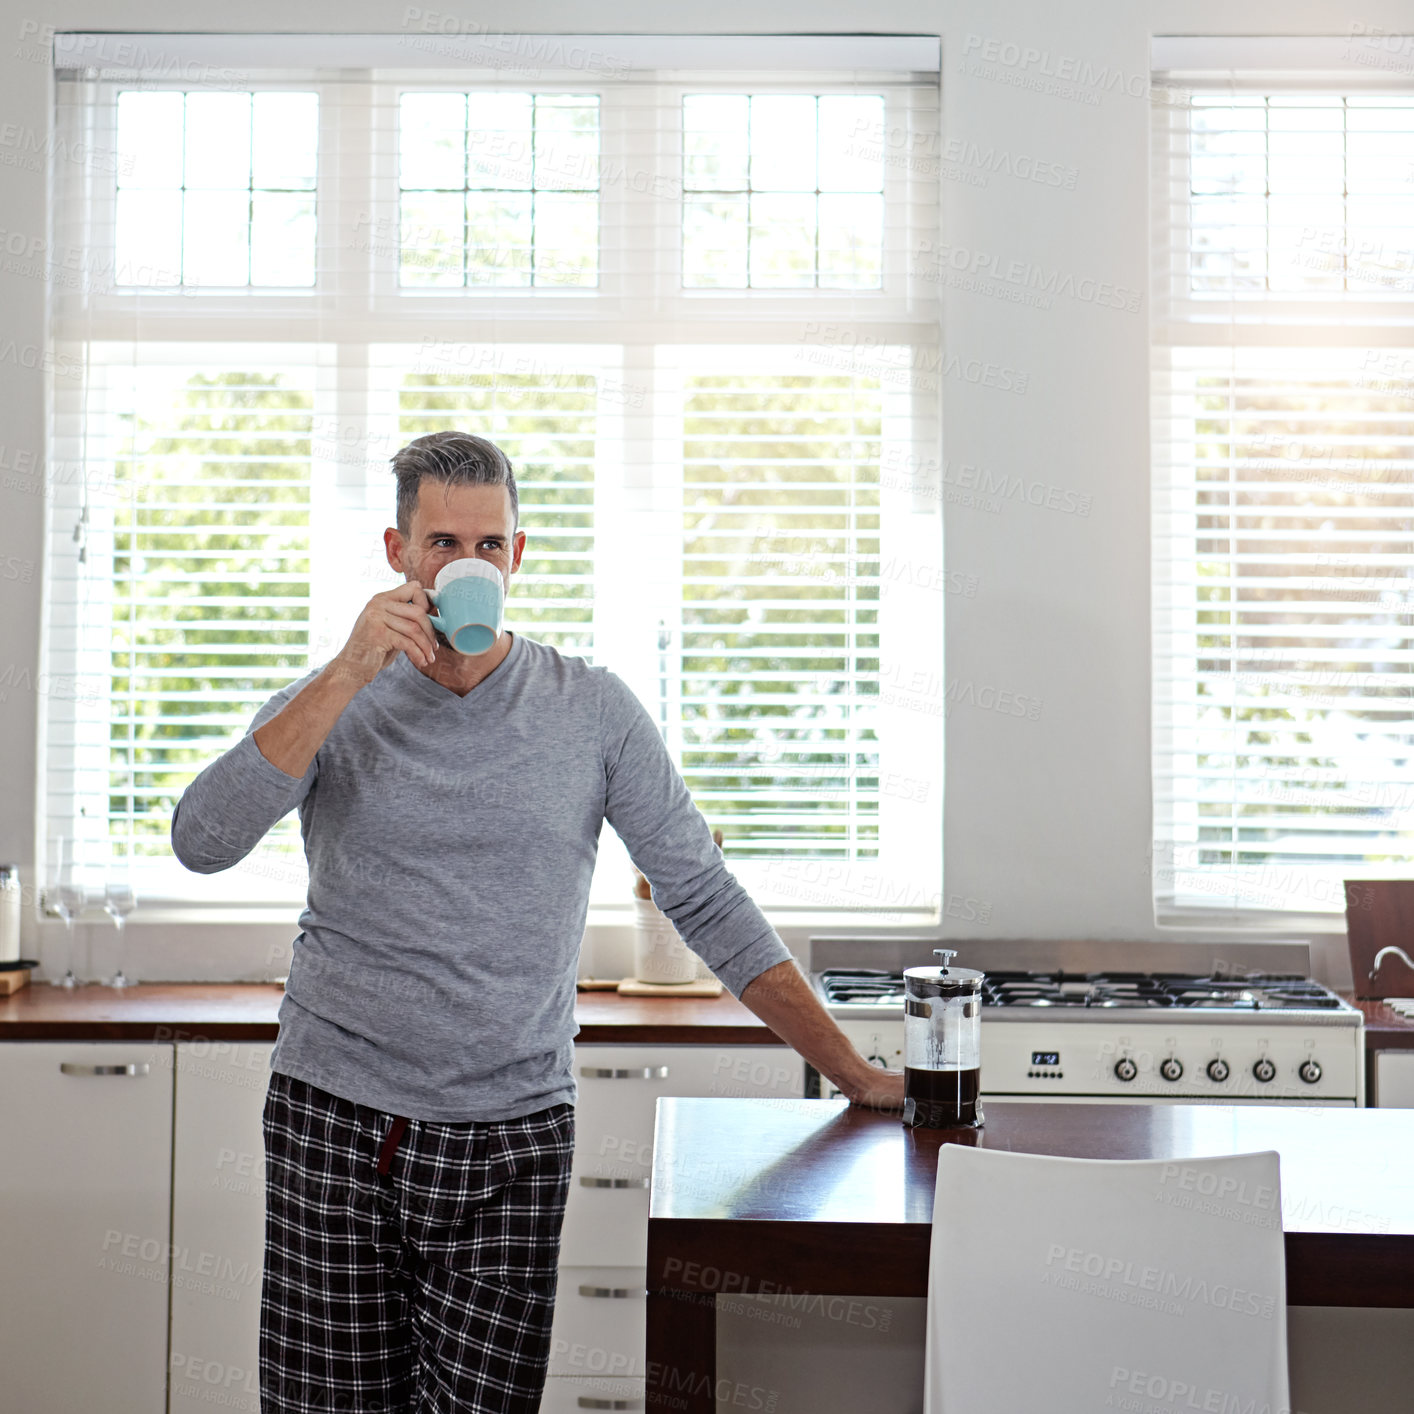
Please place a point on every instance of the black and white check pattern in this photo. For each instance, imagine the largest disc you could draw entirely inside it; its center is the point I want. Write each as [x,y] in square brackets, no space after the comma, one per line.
[427,1290]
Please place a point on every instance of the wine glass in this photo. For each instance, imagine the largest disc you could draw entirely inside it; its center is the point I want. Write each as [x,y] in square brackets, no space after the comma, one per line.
[119,901]
[67,899]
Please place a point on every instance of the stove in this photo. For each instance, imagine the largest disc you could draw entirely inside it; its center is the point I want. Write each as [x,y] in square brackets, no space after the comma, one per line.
[1240,1023]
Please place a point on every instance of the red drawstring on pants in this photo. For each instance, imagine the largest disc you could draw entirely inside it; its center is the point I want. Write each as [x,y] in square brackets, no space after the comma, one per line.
[390,1144]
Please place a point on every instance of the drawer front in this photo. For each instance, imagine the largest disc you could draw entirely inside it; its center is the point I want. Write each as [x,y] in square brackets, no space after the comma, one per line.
[575,1396]
[605,1227]
[600,1316]
[1394,1079]
[619,1088]
[606,1216]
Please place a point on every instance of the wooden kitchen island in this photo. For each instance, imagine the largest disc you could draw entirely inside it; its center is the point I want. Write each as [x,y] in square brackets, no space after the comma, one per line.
[816,1196]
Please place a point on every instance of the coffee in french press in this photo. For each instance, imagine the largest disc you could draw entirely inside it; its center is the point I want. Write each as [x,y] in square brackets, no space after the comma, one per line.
[942,1045]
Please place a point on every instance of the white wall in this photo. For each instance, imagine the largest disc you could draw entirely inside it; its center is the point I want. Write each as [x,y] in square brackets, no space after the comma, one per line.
[1046,820]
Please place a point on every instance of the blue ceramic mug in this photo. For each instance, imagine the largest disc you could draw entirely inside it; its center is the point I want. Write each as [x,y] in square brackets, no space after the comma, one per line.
[469,597]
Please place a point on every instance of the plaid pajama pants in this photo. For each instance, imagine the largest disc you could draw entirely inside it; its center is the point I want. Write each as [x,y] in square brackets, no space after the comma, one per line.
[410,1266]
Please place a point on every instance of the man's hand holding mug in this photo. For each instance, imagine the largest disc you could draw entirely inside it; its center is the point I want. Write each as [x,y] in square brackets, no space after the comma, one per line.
[395,621]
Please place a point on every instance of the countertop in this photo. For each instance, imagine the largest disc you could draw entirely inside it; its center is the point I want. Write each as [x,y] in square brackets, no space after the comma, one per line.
[247,1011]
[1385,1029]
[847,1193]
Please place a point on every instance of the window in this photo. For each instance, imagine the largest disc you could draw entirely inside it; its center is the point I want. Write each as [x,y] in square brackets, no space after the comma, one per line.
[499,188]
[1300,193]
[216,189]
[779,608]
[702,409]
[207,533]
[782,191]
[1283,496]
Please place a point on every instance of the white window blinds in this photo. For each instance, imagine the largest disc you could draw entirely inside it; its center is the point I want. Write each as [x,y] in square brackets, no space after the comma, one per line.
[609,269]
[779,607]
[1283,385]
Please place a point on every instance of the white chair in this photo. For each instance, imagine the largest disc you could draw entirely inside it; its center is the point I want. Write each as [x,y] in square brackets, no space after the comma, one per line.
[1071,1286]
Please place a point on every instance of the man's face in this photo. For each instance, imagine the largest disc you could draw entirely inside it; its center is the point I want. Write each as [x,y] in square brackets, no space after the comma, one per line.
[456,523]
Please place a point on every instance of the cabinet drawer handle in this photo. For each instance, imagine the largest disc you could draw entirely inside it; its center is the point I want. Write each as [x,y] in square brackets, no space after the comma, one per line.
[612,1293]
[647,1072]
[613,1182]
[132,1068]
[588,1401]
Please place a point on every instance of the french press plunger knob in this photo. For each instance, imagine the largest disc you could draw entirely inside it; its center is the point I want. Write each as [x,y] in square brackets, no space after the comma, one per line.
[947,955]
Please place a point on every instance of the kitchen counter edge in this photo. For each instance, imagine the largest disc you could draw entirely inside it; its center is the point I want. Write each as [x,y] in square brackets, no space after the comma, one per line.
[247,1011]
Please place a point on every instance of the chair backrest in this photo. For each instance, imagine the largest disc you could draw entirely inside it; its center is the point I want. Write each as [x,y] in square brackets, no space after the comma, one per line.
[1067,1286]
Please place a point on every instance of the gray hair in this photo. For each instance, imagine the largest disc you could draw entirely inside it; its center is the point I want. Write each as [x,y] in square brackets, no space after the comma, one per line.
[455,459]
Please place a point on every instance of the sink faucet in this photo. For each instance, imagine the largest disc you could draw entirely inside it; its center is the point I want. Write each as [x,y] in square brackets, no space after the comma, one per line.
[1384,952]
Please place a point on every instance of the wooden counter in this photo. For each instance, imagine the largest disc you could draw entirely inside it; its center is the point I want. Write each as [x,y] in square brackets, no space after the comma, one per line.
[247,1011]
[1385,1030]
[817,1196]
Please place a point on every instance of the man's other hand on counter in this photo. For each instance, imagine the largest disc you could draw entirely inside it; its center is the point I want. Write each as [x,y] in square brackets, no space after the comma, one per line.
[784,999]
[878,1089]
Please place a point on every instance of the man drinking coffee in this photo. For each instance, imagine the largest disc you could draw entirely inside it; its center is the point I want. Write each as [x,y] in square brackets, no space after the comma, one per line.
[419,1120]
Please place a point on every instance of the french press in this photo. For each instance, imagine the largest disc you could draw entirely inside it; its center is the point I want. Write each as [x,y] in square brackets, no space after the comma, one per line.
[942,1045]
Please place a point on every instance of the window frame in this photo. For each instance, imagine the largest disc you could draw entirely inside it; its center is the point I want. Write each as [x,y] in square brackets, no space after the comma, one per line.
[356,312]
[1253,320]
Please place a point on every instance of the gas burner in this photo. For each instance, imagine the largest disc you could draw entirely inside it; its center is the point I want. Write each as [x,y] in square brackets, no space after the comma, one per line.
[1107,991]
[1154,991]
[861,986]
[1059,989]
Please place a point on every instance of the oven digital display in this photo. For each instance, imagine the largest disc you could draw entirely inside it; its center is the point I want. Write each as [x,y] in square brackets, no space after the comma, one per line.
[1045,1057]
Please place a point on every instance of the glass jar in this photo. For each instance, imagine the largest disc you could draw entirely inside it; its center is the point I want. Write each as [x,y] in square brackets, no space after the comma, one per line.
[942,1045]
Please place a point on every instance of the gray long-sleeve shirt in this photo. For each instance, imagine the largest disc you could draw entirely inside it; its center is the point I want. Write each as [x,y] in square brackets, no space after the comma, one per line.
[451,841]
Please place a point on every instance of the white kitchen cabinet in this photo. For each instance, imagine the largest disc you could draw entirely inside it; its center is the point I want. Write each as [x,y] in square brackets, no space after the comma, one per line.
[606,1217]
[597,1345]
[218,1223]
[85,1174]
[134,1175]
[1394,1079]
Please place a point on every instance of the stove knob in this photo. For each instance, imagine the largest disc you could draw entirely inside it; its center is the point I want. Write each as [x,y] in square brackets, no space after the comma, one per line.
[1218,1071]
[1172,1069]
[1264,1071]
[1310,1071]
[1125,1069]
